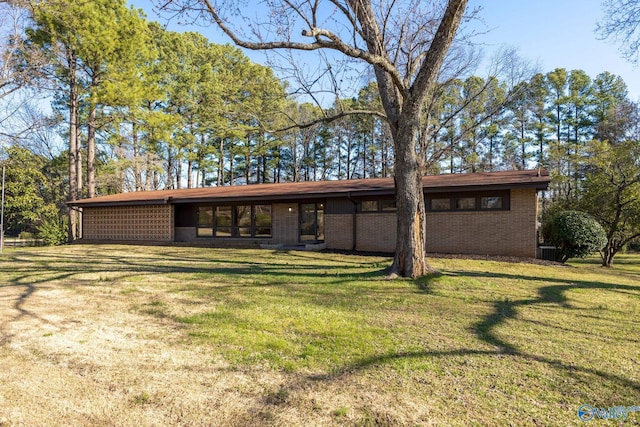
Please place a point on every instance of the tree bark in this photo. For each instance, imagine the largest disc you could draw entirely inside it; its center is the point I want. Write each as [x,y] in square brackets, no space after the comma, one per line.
[409,259]
[91,145]
[170,166]
[178,170]
[73,145]
[137,170]
[189,173]
[221,163]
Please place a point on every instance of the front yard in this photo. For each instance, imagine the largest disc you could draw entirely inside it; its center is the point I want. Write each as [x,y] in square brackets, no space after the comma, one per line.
[156,336]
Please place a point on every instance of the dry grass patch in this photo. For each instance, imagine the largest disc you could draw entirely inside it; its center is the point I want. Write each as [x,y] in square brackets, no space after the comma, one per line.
[128,335]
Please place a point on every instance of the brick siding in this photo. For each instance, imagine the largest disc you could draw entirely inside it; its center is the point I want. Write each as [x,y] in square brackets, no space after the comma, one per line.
[128,223]
[376,232]
[338,231]
[511,232]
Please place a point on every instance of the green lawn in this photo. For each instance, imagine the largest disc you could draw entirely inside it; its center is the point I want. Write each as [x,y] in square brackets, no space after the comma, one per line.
[482,343]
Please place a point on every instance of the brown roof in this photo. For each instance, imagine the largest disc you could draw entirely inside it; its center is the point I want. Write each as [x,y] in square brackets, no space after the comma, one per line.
[538,179]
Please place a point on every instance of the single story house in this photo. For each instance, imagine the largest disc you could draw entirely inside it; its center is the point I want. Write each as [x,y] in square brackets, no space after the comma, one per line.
[493,213]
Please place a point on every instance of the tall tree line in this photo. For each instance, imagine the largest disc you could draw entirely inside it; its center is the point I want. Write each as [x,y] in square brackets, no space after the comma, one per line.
[146,108]
[149,108]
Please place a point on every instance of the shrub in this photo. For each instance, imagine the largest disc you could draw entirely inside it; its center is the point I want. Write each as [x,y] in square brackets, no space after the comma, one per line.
[53,231]
[576,234]
[26,235]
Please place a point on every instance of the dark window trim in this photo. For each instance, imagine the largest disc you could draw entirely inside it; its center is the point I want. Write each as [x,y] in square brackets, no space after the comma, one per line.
[475,203]
[234,227]
[478,195]
[430,208]
[379,209]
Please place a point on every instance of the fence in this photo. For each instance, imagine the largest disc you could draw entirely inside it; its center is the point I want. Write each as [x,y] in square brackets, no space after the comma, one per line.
[22,243]
[549,253]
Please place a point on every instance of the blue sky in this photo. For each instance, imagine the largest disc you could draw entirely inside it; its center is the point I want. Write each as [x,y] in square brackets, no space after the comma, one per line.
[558,34]
[553,33]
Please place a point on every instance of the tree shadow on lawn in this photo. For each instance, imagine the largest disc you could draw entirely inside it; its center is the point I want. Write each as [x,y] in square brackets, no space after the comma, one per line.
[36,270]
[136,266]
[61,267]
[485,329]
[31,285]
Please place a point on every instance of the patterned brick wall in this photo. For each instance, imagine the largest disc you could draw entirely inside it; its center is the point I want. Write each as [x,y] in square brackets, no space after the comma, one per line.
[376,232]
[338,231]
[510,232]
[124,223]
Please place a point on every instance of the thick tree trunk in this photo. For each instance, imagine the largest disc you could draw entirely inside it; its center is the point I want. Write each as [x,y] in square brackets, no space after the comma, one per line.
[409,260]
[607,255]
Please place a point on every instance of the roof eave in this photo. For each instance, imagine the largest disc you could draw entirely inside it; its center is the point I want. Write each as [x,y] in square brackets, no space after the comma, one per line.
[87,203]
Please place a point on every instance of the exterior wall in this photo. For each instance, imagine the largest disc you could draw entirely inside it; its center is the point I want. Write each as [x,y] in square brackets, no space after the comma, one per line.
[338,231]
[284,227]
[129,223]
[376,232]
[188,235]
[511,232]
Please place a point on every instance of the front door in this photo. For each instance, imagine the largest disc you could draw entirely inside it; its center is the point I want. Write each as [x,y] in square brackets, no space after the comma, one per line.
[311,222]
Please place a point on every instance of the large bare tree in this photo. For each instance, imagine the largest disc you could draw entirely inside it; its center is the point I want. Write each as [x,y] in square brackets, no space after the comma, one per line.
[622,24]
[15,69]
[404,41]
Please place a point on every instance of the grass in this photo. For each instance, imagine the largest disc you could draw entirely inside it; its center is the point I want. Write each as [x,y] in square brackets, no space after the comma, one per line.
[301,338]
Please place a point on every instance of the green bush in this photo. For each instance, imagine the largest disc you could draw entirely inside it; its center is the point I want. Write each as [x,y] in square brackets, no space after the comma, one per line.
[576,234]
[26,235]
[53,231]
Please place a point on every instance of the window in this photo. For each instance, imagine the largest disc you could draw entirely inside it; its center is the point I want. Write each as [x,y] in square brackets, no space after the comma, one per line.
[388,205]
[234,221]
[205,222]
[262,215]
[243,221]
[224,220]
[441,204]
[381,205]
[369,206]
[465,203]
[491,202]
[495,200]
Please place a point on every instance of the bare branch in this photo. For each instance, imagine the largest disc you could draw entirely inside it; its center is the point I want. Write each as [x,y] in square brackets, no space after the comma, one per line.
[324,39]
[440,45]
[329,119]
[622,24]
